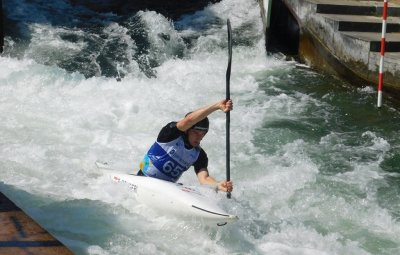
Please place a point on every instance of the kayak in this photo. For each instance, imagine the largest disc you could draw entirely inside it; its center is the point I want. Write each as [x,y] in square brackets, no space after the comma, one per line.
[176,199]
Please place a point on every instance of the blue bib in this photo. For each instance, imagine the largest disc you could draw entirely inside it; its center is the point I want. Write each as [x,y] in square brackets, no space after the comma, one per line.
[168,161]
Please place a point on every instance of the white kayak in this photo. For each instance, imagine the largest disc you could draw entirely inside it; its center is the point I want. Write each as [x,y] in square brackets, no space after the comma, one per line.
[172,198]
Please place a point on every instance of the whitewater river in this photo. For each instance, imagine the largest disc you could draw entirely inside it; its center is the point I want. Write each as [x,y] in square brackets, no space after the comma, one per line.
[315,164]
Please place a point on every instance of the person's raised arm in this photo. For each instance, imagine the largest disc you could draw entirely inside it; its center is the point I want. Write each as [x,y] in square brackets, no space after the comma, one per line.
[199,114]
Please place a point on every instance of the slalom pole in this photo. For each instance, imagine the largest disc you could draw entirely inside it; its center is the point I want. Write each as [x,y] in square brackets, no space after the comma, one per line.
[383,42]
[228,96]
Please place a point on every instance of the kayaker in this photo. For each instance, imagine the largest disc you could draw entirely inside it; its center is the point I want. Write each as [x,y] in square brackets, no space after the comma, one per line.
[177,148]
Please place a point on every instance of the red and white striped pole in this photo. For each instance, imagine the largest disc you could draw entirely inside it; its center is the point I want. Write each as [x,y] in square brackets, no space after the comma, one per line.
[383,42]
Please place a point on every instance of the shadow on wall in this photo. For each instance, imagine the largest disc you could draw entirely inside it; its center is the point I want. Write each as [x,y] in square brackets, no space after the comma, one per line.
[284,33]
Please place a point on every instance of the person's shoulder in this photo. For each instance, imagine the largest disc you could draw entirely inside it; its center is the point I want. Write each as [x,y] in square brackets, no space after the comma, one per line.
[202,153]
[169,132]
[172,124]
[170,127]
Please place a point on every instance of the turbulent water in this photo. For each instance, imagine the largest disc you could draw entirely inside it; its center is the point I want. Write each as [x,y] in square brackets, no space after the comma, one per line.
[315,164]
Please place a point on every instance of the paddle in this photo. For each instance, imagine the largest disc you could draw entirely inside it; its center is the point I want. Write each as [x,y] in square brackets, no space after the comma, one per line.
[228,96]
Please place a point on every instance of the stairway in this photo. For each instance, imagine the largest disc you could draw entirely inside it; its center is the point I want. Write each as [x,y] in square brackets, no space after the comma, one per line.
[344,37]
[362,20]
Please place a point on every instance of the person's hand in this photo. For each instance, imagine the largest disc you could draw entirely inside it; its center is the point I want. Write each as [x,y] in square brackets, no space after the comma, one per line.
[226,105]
[226,186]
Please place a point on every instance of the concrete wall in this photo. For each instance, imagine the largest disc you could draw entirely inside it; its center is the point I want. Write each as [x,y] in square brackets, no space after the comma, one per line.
[352,53]
[324,47]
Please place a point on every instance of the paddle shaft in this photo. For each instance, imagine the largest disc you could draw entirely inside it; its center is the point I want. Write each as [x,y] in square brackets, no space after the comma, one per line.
[228,115]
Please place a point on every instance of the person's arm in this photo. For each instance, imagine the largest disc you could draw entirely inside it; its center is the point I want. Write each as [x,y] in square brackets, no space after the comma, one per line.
[206,179]
[199,114]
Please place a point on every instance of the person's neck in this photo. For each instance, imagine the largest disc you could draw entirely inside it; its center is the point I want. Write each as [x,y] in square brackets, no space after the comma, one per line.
[187,143]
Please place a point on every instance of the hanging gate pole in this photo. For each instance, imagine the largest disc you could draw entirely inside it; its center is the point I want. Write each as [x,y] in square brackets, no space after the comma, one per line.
[383,42]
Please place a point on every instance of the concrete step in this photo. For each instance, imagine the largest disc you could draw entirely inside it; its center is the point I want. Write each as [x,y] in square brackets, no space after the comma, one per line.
[391,59]
[348,7]
[374,39]
[362,23]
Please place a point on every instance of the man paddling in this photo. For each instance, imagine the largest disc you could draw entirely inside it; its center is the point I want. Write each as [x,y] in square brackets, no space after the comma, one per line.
[178,148]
